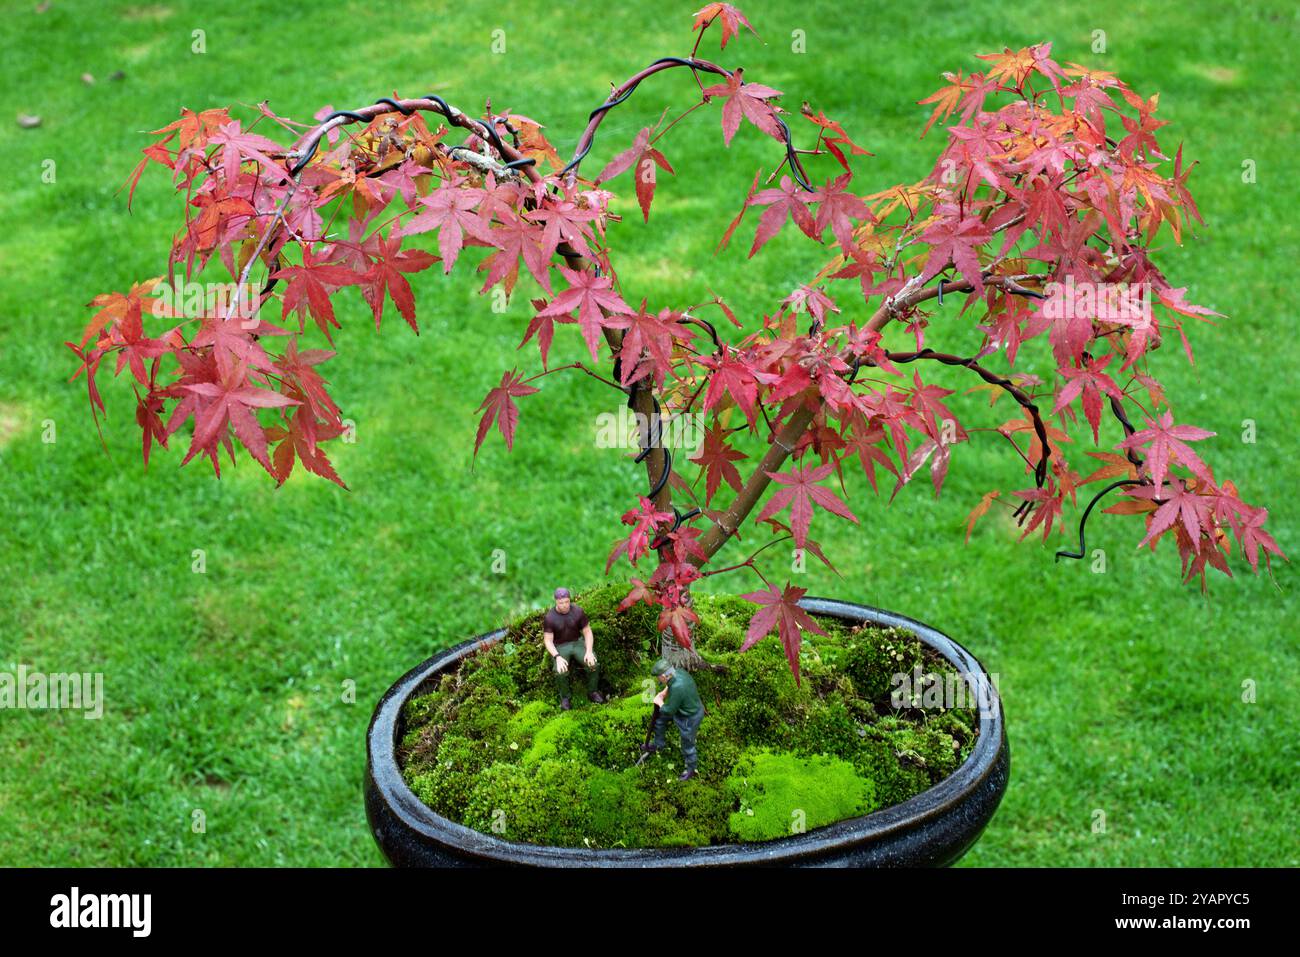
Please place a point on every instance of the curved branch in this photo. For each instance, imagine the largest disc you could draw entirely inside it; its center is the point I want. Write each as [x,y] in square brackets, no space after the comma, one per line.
[1083,521]
[1023,398]
[708,327]
[621,93]
[1117,410]
[306,145]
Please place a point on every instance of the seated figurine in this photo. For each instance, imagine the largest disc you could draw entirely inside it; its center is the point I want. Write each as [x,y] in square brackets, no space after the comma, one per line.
[568,639]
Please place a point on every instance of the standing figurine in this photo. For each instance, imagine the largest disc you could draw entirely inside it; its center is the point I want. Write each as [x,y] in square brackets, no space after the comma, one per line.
[680,700]
[562,629]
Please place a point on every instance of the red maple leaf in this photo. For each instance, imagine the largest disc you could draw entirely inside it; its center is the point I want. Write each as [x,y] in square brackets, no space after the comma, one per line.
[402,178]
[115,307]
[1254,539]
[154,151]
[1177,503]
[1025,423]
[679,618]
[748,101]
[642,157]
[684,545]
[812,300]
[595,300]
[653,335]
[734,375]
[780,610]
[1089,383]
[790,201]
[715,458]
[730,17]
[148,416]
[641,592]
[541,326]
[868,443]
[801,494]
[516,238]
[645,520]
[221,218]
[980,510]
[237,146]
[299,442]
[499,404]
[966,92]
[229,402]
[134,348]
[385,274]
[1167,441]
[837,209]
[974,148]
[1048,510]
[955,241]
[927,401]
[298,368]
[310,289]
[235,340]
[1045,212]
[565,221]
[941,452]
[451,209]
[841,138]
[1012,325]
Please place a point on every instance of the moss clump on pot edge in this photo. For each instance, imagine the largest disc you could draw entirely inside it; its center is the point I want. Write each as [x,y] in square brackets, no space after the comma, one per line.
[488,746]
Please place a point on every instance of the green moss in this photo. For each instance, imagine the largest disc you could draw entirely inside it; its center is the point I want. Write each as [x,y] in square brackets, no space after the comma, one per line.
[757,695]
[448,782]
[615,732]
[782,794]
[606,737]
[927,745]
[829,729]
[525,723]
[488,745]
[559,802]
[562,734]
[872,660]
[683,814]
[895,779]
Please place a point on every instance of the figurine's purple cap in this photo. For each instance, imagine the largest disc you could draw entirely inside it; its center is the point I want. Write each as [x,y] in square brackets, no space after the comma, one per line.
[561,593]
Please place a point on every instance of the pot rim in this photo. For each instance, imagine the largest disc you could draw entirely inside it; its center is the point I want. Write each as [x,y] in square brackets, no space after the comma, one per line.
[381,755]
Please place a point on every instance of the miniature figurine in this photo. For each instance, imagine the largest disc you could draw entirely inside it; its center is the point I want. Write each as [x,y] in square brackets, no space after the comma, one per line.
[562,628]
[680,700]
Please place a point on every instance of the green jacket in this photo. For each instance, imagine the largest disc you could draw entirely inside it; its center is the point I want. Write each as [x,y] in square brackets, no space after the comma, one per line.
[683,698]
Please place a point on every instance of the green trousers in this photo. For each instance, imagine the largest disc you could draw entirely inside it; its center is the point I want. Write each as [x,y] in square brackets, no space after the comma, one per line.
[572,652]
[686,730]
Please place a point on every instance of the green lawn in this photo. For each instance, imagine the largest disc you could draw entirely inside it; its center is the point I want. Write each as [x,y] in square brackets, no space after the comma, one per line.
[225,689]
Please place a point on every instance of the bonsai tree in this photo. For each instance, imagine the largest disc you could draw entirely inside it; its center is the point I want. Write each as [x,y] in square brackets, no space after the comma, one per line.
[1034,231]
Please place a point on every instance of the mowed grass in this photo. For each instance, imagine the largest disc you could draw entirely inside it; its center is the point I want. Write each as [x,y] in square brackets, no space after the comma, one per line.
[227,690]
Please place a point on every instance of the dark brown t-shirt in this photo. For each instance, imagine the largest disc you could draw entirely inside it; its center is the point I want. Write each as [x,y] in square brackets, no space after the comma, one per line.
[565,628]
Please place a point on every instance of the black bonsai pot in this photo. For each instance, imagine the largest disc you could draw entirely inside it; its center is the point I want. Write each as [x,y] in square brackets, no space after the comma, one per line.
[931,829]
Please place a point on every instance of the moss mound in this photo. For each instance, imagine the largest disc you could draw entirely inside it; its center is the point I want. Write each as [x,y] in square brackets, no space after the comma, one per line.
[488,745]
[784,793]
